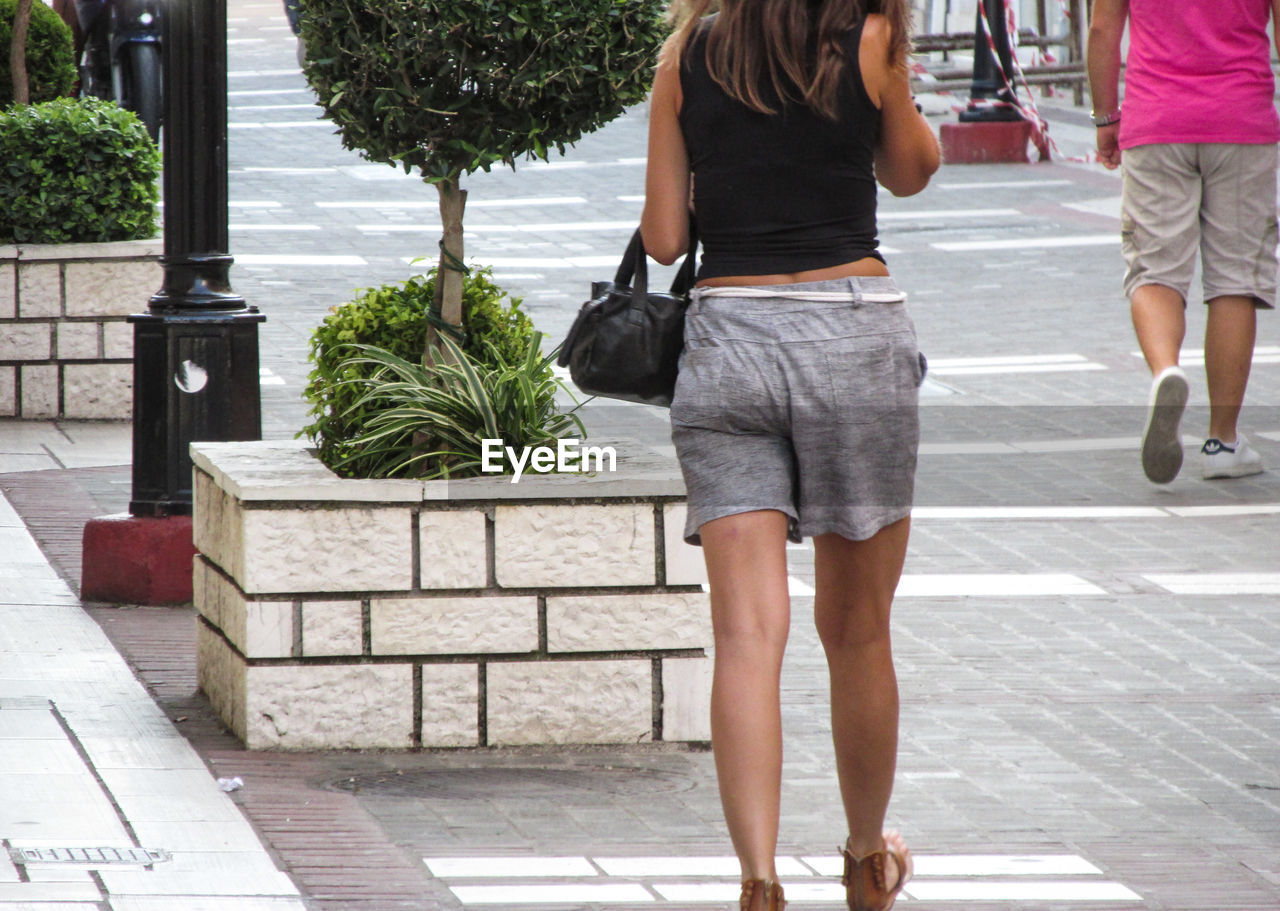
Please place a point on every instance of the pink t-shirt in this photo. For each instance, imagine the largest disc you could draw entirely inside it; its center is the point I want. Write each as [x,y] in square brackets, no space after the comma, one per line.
[1199,71]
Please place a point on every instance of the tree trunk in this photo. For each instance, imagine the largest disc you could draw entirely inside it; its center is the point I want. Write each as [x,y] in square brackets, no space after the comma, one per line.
[449,275]
[18,53]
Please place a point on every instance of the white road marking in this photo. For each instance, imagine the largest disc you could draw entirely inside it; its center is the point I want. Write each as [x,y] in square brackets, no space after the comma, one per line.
[253,204]
[994,585]
[1108,206]
[281,125]
[572,893]
[1000,184]
[1029,363]
[286,259]
[477,204]
[268,378]
[245,74]
[1021,892]
[1242,509]
[934,214]
[627,880]
[491,867]
[271,107]
[283,171]
[248,92]
[985,513]
[572,226]
[798,589]
[1029,243]
[1217,583]
[642,867]
[1194,357]
[265,227]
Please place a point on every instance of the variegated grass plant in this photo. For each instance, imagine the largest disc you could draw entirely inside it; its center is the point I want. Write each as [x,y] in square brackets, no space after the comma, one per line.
[430,421]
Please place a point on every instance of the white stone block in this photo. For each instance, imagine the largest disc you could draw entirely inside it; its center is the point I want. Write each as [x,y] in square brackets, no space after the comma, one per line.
[574,545]
[310,707]
[685,563]
[216,528]
[220,674]
[206,590]
[26,341]
[452,549]
[602,623]
[39,290]
[332,628]
[97,391]
[8,290]
[117,340]
[450,705]
[259,629]
[444,626]
[324,550]
[686,699]
[39,390]
[110,288]
[8,392]
[569,702]
[79,341]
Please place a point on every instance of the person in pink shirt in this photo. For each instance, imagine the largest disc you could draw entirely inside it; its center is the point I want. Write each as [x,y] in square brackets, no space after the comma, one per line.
[1198,141]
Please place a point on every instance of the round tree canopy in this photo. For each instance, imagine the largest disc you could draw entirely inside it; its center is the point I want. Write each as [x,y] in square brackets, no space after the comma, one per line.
[453,86]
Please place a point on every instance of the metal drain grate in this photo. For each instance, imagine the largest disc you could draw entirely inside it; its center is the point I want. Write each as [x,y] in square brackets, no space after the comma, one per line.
[88,856]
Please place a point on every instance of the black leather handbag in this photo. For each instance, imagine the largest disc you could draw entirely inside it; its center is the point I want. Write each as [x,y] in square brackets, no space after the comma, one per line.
[626,342]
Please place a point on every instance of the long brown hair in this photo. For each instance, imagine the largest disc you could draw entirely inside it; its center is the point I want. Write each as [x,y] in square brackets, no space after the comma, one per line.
[754,38]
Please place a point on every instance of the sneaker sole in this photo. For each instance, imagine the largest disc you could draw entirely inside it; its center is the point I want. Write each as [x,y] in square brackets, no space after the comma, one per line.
[1161,443]
[1235,471]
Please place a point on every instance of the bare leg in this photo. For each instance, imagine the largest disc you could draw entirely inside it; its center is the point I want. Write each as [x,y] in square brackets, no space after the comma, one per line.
[855,585]
[751,615]
[1160,321]
[1228,355]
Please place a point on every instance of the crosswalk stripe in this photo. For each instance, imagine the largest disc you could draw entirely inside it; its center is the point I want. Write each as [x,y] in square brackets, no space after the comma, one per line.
[1029,243]
[697,880]
[1217,583]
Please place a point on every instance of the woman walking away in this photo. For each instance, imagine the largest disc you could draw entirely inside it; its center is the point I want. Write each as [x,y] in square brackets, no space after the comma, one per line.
[795,412]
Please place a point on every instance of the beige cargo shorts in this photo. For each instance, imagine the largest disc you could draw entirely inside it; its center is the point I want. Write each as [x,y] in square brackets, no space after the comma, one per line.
[1218,198]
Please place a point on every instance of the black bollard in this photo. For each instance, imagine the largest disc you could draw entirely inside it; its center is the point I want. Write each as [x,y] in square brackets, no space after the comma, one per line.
[989,97]
[195,373]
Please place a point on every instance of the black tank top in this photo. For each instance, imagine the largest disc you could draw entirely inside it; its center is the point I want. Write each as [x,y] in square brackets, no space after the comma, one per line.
[784,192]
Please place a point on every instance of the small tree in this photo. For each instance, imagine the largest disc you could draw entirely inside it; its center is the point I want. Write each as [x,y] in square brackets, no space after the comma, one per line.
[453,86]
[36,58]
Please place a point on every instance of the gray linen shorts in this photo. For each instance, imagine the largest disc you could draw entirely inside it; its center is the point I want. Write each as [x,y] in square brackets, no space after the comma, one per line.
[1217,197]
[806,407]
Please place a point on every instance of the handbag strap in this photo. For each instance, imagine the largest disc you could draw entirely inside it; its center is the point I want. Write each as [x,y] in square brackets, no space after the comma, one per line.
[635,263]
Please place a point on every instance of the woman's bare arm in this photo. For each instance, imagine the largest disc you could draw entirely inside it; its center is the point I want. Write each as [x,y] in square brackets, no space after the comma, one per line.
[908,152]
[665,222]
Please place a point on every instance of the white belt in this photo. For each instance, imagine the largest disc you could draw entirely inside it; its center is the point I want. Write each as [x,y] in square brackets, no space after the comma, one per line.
[868,297]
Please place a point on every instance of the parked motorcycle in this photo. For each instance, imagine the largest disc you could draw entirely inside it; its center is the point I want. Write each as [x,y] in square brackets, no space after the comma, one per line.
[121,59]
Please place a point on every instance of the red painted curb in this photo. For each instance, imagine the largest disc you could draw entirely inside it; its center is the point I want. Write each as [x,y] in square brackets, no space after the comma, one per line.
[137,560]
[985,143]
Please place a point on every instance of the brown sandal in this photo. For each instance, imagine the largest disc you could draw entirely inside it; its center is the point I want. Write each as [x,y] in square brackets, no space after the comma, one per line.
[864,879]
[770,896]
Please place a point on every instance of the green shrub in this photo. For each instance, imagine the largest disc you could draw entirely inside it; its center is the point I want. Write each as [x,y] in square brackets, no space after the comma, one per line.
[76,171]
[51,66]
[395,318]
[430,422]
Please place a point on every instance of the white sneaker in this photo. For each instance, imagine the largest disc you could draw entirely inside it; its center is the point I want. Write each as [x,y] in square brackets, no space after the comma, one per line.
[1235,461]
[1162,441]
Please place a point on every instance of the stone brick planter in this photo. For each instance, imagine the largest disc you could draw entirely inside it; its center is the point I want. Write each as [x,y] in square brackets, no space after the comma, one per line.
[65,348]
[338,613]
